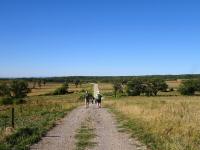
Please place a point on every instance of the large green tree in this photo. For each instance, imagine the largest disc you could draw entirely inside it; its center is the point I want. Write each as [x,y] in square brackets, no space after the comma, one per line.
[4,90]
[134,87]
[189,87]
[19,89]
[158,85]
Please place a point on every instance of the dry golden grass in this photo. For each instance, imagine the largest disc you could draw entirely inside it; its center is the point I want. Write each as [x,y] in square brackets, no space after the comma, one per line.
[79,88]
[174,84]
[49,87]
[105,87]
[175,121]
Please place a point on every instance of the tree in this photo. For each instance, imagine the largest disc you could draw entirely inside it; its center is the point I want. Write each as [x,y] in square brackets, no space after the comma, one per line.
[19,89]
[4,90]
[44,82]
[62,90]
[117,87]
[134,87]
[148,89]
[189,87]
[34,84]
[158,85]
[39,83]
[77,82]
[66,86]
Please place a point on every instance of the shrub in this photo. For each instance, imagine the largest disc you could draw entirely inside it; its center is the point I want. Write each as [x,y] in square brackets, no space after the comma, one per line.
[134,88]
[158,85]
[4,90]
[188,87]
[62,90]
[19,89]
[6,101]
[147,87]
[117,87]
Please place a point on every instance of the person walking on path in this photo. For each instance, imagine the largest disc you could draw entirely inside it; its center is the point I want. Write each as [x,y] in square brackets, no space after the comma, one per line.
[99,98]
[87,99]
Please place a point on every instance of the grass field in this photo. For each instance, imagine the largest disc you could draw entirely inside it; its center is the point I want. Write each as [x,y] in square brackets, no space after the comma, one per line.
[34,118]
[49,87]
[163,123]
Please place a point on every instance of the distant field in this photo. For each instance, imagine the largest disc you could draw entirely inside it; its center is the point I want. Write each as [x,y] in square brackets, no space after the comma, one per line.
[174,84]
[49,87]
[105,87]
[81,87]
[167,123]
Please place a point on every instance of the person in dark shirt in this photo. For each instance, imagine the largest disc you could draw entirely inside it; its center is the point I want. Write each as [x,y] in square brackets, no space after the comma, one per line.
[99,98]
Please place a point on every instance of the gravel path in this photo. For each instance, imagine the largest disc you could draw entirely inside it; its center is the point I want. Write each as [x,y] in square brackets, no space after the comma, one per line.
[61,137]
[108,138]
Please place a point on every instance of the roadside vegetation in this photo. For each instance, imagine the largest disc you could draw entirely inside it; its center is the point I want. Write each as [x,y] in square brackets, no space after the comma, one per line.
[33,116]
[167,123]
[33,120]
[85,135]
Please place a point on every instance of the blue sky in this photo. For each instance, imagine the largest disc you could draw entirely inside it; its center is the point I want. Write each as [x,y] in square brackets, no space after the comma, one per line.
[99,37]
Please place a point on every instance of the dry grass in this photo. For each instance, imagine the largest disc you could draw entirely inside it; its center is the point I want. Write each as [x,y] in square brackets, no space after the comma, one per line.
[174,84]
[105,87]
[88,87]
[49,87]
[173,122]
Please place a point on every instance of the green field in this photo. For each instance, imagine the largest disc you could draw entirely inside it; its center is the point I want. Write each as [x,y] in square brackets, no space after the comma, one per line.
[34,118]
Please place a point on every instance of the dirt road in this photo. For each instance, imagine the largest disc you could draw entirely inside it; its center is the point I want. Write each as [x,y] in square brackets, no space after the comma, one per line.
[108,138]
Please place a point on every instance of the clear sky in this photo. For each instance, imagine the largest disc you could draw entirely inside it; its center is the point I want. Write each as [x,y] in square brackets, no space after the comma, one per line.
[99,37]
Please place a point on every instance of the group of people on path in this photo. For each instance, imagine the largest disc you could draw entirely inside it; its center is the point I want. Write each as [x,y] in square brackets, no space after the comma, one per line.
[93,99]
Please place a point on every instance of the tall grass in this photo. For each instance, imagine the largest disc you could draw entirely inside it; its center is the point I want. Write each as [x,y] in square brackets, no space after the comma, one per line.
[34,119]
[164,123]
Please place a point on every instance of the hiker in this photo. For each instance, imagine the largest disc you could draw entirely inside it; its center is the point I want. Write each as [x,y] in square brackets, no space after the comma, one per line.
[87,99]
[99,98]
[92,99]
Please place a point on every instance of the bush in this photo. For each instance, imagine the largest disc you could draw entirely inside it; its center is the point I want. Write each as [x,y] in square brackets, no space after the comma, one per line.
[6,101]
[19,89]
[9,101]
[158,85]
[60,91]
[118,88]
[189,87]
[4,90]
[148,87]
[19,101]
[134,88]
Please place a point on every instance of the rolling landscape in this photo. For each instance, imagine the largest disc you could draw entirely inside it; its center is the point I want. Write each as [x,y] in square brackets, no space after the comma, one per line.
[99,75]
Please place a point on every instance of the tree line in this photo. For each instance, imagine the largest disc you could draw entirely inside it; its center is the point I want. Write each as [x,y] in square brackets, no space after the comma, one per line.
[151,87]
[107,79]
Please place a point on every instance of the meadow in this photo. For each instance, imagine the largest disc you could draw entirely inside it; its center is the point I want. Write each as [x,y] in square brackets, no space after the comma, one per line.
[35,117]
[164,122]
